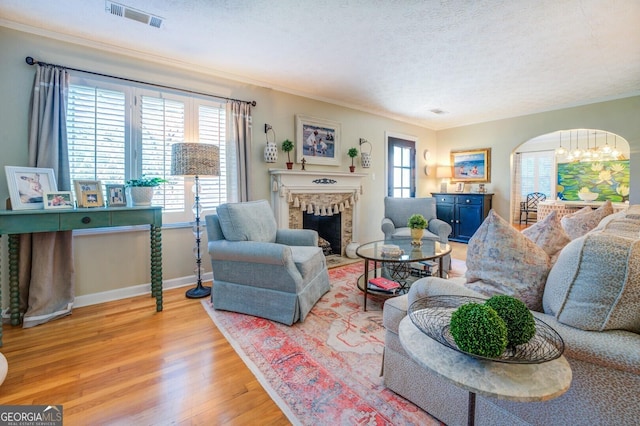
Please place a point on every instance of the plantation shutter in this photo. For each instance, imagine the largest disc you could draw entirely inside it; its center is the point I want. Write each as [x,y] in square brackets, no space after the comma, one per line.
[212,129]
[120,131]
[96,133]
[537,173]
[162,124]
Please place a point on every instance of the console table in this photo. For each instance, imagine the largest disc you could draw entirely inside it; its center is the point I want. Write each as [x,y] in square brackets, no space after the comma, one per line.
[15,222]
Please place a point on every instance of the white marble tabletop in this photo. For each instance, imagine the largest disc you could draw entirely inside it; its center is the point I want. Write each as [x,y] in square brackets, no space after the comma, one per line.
[515,382]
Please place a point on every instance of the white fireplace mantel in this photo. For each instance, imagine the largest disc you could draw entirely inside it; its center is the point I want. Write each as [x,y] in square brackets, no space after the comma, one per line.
[285,182]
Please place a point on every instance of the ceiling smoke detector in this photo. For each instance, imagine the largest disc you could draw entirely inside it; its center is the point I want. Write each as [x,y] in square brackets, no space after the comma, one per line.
[123,11]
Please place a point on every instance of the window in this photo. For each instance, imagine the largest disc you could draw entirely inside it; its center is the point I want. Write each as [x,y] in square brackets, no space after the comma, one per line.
[118,131]
[538,173]
[401,169]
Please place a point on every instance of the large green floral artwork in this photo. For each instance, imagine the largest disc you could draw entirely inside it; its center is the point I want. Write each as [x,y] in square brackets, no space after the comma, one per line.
[594,181]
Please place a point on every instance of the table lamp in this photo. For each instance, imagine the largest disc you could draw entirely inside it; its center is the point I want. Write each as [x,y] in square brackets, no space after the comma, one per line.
[443,172]
[196,159]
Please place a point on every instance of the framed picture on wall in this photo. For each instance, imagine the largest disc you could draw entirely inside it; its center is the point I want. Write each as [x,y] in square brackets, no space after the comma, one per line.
[471,165]
[318,141]
[27,186]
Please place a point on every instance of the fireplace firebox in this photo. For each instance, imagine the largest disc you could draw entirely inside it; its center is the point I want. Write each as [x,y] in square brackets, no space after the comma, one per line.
[328,228]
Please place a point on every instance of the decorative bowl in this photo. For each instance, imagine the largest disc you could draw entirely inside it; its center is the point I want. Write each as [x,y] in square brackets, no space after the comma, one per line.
[588,196]
[432,316]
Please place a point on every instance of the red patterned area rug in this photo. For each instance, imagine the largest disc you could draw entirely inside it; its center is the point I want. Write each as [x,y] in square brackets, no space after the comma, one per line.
[325,370]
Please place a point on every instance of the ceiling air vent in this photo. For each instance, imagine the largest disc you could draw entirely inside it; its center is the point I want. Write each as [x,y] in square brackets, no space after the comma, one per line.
[123,11]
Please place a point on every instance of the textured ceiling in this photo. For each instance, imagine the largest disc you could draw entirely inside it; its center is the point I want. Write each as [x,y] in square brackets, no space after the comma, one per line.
[476,60]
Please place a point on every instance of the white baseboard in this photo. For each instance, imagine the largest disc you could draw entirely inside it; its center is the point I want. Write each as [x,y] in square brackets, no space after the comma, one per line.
[136,290]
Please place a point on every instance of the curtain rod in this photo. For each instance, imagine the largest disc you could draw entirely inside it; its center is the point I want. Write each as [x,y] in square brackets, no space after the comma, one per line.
[29,60]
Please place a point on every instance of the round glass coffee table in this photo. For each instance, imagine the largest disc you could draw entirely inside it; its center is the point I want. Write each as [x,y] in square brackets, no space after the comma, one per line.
[399,261]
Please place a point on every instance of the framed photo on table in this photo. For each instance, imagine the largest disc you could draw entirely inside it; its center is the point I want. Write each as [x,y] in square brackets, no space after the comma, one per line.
[93,188]
[58,200]
[460,187]
[471,165]
[27,186]
[318,141]
[116,195]
[92,199]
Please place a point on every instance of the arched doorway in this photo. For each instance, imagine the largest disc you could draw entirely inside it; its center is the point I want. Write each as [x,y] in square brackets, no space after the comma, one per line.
[574,166]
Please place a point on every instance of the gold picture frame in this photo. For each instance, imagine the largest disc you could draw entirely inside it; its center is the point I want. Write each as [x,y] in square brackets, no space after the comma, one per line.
[92,199]
[472,165]
[94,187]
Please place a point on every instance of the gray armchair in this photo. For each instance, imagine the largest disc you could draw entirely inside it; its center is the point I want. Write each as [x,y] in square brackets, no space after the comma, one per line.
[259,270]
[397,212]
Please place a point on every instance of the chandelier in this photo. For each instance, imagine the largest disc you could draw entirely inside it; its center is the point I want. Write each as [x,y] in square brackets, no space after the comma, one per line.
[592,151]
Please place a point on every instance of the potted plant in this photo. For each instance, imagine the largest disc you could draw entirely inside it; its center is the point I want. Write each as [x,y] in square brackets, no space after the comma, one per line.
[287,146]
[417,223]
[353,153]
[141,189]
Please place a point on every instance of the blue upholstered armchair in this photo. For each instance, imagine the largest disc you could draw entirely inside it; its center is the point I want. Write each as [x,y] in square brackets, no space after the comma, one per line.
[259,270]
[397,212]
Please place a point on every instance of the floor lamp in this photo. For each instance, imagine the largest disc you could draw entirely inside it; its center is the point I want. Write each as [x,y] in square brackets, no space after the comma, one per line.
[196,159]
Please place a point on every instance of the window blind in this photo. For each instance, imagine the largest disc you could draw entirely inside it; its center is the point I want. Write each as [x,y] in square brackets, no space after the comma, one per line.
[121,131]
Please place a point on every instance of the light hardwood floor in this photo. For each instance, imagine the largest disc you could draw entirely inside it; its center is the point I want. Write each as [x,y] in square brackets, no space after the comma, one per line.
[122,363]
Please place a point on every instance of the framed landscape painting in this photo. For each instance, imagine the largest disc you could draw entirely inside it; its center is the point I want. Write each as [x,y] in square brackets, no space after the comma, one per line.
[471,165]
[27,186]
[317,141]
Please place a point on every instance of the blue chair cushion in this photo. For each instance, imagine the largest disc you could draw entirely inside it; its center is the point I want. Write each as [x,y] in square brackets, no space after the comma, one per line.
[249,221]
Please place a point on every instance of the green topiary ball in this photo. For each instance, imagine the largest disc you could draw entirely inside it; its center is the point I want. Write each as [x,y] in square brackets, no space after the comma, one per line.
[521,326]
[478,329]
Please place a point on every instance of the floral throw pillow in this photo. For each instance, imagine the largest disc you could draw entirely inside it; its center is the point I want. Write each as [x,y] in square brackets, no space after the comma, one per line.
[584,220]
[548,234]
[500,260]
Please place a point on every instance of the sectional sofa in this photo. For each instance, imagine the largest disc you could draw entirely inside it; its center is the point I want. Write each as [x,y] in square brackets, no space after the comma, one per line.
[580,275]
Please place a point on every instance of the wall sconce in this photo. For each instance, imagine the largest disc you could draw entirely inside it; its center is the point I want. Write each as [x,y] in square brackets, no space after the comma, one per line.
[427,156]
[365,157]
[443,172]
[271,149]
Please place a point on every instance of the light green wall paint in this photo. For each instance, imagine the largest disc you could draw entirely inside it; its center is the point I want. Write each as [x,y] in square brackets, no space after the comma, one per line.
[505,136]
[130,250]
